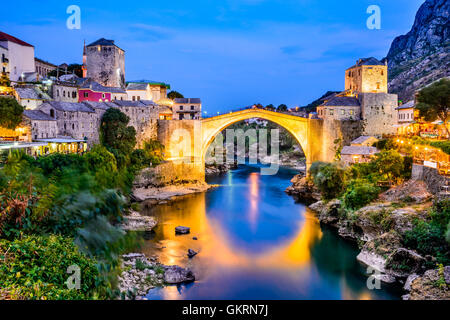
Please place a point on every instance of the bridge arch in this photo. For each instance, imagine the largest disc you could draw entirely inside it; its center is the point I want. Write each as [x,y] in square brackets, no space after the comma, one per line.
[298,127]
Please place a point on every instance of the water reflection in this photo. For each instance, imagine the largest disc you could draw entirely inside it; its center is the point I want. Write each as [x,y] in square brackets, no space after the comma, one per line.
[254,242]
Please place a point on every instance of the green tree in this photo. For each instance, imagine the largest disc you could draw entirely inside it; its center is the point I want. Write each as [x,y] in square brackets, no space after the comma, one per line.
[359,193]
[174,95]
[389,163]
[282,108]
[270,107]
[10,113]
[116,135]
[154,151]
[329,178]
[434,102]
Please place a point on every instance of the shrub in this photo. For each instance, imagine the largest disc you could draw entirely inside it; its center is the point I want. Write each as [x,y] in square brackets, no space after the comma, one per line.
[35,267]
[329,178]
[389,164]
[429,237]
[360,193]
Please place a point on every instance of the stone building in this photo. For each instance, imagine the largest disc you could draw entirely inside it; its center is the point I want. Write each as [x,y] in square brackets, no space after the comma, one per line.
[367,75]
[42,125]
[340,108]
[20,56]
[365,99]
[30,97]
[43,68]
[187,108]
[90,90]
[105,63]
[64,91]
[356,154]
[76,120]
[147,90]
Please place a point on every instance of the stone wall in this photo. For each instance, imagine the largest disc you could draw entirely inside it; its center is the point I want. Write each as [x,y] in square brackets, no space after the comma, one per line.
[378,113]
[346,131]
[431,176]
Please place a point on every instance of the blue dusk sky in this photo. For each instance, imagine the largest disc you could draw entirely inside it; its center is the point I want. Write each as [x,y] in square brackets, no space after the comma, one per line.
[229,53]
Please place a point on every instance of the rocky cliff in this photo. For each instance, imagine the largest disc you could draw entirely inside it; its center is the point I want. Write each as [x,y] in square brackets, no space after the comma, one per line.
[422,55]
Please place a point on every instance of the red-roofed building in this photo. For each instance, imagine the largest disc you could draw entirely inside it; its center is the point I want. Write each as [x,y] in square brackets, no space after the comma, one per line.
[17,57]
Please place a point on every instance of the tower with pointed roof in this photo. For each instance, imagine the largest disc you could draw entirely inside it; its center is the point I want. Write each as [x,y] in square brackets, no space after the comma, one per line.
[84,68]
[105,63]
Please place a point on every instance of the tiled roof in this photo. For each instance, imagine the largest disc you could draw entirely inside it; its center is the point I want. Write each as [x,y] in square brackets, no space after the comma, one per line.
[351,150]
[128,103]
[148,102]
[408,105]
[137,86]
[342,101]
[97,105]
[71,106]
[187,100]
[37,115]
[103,42]
[361,139]
[368,62]
[95,86]
[151,82]
[7,37]
[31,93]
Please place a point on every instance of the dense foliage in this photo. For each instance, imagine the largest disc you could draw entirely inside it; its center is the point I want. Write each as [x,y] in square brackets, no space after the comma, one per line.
[174,95]
[117,136]
[35,267]
[329,178]
[10,113]
[434,102]
[360,193]
[429,237]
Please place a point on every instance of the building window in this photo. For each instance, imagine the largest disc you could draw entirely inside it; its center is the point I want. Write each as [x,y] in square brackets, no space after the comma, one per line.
[181,107]
[342,111]
[134,98]
[86,94]
[192,107]
[378,85]
[64,93]
[331,112]
[52,113]
[351,112]
[103,96]
[74,94]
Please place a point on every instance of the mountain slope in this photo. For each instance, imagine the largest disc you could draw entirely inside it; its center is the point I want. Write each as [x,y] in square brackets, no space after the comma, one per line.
[423,54]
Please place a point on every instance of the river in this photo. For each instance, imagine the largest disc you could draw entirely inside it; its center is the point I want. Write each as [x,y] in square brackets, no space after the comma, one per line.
[255,242]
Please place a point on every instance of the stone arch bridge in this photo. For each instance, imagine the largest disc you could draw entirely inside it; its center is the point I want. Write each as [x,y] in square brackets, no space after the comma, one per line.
[187,141]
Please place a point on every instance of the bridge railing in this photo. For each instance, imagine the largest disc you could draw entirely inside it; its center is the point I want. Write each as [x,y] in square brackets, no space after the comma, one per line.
[206,116]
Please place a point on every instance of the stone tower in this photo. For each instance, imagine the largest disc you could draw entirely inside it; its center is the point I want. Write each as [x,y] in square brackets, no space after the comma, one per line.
[368,75]
[105,63]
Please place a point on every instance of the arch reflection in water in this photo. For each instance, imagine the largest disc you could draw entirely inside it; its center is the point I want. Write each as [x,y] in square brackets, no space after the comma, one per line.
[262,245]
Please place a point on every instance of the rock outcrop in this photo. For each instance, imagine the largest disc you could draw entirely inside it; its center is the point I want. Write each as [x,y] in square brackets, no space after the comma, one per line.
[432,285]
[303,189]
[422,55]
[137,222]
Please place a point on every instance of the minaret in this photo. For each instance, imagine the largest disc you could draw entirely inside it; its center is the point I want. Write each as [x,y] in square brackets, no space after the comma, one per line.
[84,61]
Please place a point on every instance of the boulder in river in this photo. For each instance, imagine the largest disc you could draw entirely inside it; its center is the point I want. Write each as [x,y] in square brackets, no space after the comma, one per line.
[176,274]
[182,230]
[191,253]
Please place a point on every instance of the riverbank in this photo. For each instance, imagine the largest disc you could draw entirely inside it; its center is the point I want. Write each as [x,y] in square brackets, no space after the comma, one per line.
[168,193]
[141,274]
[383,231]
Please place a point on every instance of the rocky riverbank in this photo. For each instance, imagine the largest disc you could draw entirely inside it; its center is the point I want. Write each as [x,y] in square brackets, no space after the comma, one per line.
[141,274]
[134,221]
[380,229]
[168,193]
